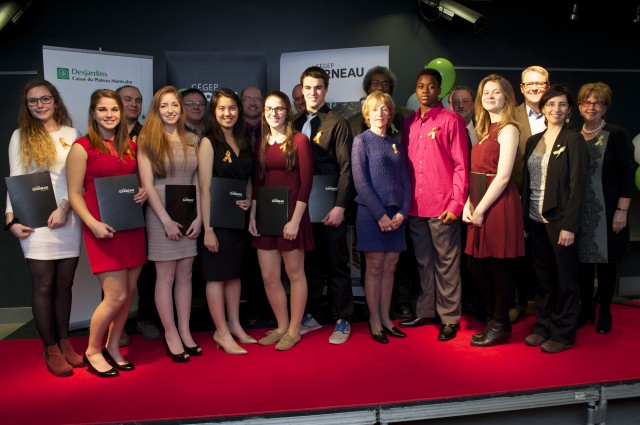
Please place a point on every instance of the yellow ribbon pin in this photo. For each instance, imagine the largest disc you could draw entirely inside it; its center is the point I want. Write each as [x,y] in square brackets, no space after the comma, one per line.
[558,151]
[432,133]
[64,143]
[227,157]
[395,149]
[317,137]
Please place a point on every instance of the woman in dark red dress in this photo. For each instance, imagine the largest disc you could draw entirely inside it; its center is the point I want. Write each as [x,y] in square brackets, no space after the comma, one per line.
[284,159]
[496,236]
[115,257]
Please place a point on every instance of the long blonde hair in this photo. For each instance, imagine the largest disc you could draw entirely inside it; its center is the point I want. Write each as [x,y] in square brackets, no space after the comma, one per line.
[36,144]
[507,115]
[288,147]
[154,140]
[120,142]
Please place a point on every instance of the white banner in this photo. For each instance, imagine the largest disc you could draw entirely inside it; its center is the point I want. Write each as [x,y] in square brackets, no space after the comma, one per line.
[78,73]
[345,67]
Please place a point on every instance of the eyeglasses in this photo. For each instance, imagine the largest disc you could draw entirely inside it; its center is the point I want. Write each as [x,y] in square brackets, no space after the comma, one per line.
[461,102]
[532,84]
[252,99]
[384,84]
[278,110]
[45,100]
[191,103]
[597,104]
[560,105]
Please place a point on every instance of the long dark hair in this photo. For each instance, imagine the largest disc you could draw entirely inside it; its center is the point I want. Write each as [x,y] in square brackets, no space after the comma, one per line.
[215,131]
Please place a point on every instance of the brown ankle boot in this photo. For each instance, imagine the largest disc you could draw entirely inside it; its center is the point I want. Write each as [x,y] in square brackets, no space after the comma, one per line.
[56,362]
[74,359]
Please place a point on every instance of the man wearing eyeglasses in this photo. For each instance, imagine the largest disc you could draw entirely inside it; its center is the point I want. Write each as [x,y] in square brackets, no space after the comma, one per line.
[252,112]
[195,108]
[381,78]
[535,82]
[461,102]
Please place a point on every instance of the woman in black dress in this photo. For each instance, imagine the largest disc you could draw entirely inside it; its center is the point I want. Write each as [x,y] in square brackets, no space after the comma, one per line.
[224,152]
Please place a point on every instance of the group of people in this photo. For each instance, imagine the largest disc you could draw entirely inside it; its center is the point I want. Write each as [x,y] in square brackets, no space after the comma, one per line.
[555,202]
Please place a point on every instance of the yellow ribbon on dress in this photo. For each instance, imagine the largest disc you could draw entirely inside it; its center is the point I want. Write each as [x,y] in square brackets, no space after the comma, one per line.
[227,157]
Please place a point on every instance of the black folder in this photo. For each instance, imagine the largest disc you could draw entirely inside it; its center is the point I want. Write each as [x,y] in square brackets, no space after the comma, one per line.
[32,198]
[323,196]
[477,187]
[180,203]
[224,212]
[116,204]
[272,210]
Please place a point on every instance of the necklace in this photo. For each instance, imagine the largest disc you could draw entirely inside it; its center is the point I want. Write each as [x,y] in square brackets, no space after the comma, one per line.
[595,130]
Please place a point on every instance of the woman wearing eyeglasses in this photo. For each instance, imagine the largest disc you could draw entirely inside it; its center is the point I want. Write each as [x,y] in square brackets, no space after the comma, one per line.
[42,143]
[224,152]
[604,236]
[284,158]
[555,174]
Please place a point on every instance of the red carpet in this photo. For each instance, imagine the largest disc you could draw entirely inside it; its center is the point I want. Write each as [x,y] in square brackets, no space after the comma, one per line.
[314,375]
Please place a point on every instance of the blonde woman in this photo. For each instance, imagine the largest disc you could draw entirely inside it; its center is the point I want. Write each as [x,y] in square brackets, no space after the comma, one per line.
[42,143]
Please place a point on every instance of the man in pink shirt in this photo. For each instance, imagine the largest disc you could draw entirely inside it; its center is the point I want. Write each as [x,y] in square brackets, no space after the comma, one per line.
[438,153]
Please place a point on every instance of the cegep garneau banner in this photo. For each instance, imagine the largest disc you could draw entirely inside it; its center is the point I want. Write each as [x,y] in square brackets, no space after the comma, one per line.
[345,67]
[78,73]
[209,71]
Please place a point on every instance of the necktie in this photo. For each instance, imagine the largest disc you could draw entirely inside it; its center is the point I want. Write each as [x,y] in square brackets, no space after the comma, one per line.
[306,128]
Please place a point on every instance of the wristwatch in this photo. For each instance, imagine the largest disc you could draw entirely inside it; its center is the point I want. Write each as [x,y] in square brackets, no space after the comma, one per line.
[11,223]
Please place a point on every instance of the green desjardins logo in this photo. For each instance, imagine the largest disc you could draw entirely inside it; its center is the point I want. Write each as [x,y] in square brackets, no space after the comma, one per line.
[63,73]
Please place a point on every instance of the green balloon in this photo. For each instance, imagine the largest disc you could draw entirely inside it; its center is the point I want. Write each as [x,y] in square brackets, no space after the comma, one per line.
[638,178]
[448,73]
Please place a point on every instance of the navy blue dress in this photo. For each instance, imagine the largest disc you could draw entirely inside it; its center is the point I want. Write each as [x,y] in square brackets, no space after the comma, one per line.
[379,170]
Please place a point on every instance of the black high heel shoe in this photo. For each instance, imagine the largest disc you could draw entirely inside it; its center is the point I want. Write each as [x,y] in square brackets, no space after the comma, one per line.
[111,373]
[178,358]
[378,337]
[126,367]
[394,332]
[604,322]
[192,351]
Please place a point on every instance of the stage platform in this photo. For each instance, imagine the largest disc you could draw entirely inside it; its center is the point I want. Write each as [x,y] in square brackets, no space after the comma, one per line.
[360,382]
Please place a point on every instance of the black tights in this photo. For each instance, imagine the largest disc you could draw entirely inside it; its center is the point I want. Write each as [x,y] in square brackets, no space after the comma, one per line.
[607,274]
[51,297]
[495,278]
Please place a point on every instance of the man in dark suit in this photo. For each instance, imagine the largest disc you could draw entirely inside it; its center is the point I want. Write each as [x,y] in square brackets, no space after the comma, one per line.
[534,83]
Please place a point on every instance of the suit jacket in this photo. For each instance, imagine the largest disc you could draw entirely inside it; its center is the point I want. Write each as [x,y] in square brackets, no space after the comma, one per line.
[565,183]
[525,132]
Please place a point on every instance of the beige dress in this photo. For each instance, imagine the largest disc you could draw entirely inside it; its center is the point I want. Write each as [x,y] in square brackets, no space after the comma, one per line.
[160,247]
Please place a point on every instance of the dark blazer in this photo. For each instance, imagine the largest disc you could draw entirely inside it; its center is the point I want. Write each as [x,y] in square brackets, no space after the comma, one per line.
[525,132]
[565,183]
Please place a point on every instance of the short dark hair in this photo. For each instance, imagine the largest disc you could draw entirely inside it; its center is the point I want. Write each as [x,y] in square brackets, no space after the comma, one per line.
[185,92]
[432,72]
[556,90]
[366,82]
[316,72]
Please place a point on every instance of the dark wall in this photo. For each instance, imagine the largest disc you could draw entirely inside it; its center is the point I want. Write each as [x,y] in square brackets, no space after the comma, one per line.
[518,34]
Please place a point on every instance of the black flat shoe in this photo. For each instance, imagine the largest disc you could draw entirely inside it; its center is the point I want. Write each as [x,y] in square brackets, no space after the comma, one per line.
[379,337]
[394,332]
[111,373]
[177,358]
[126,367]
[447,332]
[416,322]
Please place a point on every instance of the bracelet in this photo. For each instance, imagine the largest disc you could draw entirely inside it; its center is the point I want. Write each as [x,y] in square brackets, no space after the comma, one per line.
[11,223]
[623,209]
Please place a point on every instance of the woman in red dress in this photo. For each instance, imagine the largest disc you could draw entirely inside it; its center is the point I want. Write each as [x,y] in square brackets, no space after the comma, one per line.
[115,257]
[496,236]
[284,159]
